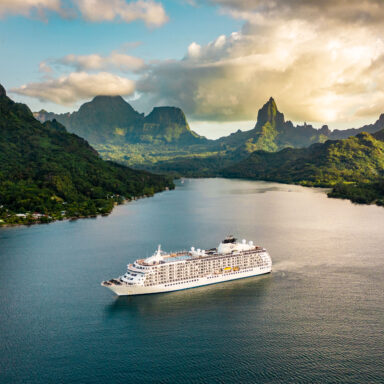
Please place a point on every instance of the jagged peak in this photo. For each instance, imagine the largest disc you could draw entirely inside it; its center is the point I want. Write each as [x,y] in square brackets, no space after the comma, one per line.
[269,113]
[2,91]
[325,130]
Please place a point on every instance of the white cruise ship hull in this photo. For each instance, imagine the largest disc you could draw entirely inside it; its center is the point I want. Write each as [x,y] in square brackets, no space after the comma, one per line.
[131,290]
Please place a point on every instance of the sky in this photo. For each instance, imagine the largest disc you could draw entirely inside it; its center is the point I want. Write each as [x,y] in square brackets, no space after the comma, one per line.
[218,60]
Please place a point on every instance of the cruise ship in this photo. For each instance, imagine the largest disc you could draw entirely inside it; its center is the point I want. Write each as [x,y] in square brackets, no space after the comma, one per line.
[173,271]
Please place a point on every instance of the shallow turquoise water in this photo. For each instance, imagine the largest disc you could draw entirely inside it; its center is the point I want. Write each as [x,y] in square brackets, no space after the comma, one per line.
[319,317]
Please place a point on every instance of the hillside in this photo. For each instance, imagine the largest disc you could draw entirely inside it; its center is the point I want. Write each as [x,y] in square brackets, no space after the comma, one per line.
[352,166]
[163,142]
[45,169]
[111,120]
[272,133]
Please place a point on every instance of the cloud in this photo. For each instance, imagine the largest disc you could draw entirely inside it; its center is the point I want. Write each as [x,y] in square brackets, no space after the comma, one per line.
[152,13]
[77,86]
[115,60]
[373,109]
[45,68]
[355,11]
[319,60]
[28,7]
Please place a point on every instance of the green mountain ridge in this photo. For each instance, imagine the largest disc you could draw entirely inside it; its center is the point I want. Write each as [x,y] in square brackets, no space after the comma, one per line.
[162,141]
[272,133]
[44,168]
[354,167]
[349,161]
[111,120]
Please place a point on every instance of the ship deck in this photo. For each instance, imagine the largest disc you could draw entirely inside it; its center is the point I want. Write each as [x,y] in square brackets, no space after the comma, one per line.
[173,257]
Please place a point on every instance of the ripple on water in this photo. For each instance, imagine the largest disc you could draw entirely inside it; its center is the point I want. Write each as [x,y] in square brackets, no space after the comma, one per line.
[318,318]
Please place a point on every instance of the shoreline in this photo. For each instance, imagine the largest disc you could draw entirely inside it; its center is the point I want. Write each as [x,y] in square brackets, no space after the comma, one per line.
[75,218]
[330,193]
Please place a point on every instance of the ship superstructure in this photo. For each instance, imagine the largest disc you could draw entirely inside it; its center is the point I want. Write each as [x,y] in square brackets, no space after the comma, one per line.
[165,272]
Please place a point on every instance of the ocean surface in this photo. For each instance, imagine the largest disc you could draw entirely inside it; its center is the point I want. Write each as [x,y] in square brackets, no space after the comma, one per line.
[317,318]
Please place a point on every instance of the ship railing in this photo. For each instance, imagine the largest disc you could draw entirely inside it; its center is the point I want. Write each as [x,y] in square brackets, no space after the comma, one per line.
[172,255]
[223,255]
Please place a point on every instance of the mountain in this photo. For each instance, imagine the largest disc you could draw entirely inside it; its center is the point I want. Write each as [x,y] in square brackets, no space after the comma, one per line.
[379,135]
[359,157]
[162,141]
[46,169]
[353,166]
[370,128]
[105,118]
[272,133]
[111,120]
[169,124]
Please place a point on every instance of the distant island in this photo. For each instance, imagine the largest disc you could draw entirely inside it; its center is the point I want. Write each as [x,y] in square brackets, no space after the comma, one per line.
[49,174]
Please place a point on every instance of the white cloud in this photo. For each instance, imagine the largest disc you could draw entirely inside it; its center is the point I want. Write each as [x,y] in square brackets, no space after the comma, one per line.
[355,11]
[152,13]
[27,7]
[77,86]
[115,60]
[319,68]
[194,50]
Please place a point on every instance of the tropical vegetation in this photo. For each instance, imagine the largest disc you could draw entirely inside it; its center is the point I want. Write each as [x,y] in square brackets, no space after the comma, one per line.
[47,173]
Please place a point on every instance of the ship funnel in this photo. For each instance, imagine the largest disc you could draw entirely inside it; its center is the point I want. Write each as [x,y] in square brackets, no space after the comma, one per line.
[251,243]
[244,241]
[193,249]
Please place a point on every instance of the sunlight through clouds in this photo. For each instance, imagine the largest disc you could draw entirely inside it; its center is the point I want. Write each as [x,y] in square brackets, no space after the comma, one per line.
[77,86]
[326,68]
[319,69]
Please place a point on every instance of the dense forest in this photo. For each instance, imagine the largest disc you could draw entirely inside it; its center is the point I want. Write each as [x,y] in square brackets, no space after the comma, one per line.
[353,167]
[47,173]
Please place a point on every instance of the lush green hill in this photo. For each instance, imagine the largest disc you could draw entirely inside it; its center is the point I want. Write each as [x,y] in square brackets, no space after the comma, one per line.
[352,166]
[45,169]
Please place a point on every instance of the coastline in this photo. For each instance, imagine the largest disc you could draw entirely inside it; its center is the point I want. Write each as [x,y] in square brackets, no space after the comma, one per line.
[330,190]
[51,220]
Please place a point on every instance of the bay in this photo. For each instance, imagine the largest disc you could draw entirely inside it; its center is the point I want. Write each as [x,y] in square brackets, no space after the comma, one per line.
[318,317]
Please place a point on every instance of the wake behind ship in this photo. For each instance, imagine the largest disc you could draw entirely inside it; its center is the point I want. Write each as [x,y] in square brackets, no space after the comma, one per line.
[165,272]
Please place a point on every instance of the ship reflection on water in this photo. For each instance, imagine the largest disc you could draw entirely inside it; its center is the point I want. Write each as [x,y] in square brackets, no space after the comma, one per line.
[226,295]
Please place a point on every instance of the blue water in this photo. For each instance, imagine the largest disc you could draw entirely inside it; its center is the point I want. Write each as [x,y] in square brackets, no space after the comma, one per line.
[318,318]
